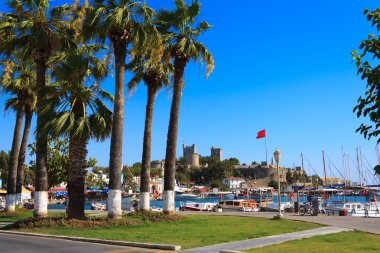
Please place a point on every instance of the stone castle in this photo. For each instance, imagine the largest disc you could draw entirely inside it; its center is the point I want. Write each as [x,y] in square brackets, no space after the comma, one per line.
[217,153]
[190,155]
[192,158]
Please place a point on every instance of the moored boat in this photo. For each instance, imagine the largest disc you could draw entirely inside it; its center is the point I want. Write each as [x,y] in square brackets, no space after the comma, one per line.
[98,206]
[273,206]
[244,205]
[195,206]
[355,209]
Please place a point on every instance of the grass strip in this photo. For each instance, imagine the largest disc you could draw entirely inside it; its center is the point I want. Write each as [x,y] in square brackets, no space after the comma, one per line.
[347,242]
[192,231]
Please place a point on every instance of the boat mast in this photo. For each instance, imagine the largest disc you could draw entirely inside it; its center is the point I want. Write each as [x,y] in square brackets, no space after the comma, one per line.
[357,158]
[303,169]
[348,169]
[324,167]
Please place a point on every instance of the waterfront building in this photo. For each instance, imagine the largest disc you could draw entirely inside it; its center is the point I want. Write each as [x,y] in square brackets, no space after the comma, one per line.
[233,182]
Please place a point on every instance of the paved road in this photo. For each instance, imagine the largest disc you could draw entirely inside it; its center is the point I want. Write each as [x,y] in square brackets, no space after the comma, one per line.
[29,244]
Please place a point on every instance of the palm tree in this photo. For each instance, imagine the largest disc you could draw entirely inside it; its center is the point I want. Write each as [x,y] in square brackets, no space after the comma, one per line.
[155,75]
[120,23]
[80,114]
[30,27]
[28,114]
[182,46]
[17,80]
[29,110]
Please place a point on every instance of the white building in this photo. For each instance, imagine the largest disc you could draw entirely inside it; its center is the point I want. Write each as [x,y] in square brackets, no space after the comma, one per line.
[233,182]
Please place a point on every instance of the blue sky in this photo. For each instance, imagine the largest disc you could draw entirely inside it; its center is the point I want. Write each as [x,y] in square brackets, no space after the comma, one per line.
[280,65]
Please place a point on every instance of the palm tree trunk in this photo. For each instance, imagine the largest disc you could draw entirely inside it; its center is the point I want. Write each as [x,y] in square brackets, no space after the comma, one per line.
[114,193]
[171,144]
[76,171]
[21,156]
[41,181]
[13,161]
[147,145]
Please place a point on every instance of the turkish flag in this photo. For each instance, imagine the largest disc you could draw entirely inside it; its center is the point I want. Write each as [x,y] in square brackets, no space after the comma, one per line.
[260,134]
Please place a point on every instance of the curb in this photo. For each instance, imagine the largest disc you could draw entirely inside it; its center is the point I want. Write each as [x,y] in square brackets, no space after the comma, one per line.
[230,251]
[100,241]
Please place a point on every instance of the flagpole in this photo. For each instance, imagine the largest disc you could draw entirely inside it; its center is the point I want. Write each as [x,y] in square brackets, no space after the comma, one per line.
[266,151]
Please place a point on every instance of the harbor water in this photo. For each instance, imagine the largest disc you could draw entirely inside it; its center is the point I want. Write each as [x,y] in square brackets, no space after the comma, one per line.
[159,203]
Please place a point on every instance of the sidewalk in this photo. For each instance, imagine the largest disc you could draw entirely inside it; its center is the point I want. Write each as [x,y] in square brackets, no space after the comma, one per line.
[265,241]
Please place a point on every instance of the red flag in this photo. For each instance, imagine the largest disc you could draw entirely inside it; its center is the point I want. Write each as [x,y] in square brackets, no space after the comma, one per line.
[260,134]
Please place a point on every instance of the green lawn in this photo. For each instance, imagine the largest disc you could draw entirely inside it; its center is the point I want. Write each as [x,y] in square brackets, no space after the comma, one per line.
[192,231]
[8,217]
[347,242]
[18,215]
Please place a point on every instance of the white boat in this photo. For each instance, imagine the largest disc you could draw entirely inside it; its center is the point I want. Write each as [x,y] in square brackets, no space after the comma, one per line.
[273,206]
[98,206]
[155,209]
[244,205]
[355,209]
[195,206]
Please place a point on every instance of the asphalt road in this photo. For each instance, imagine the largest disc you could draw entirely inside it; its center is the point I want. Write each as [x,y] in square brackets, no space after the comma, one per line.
[29,244]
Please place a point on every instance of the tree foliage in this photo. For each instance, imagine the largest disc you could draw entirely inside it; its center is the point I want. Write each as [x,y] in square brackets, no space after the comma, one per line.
[377,170]
[234,161]
[4,163]
[58,158]
[368,69]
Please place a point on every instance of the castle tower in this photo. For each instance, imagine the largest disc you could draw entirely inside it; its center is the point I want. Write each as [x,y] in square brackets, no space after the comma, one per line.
[190,155]
[217,153]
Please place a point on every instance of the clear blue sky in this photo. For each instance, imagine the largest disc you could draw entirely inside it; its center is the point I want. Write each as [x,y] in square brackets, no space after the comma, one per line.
[280,65]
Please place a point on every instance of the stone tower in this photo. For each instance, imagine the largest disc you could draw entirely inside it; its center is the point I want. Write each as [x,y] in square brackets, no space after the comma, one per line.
[190,155]
[217,153]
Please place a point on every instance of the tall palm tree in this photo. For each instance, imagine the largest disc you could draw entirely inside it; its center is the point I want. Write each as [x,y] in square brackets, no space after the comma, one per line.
[29,26]
[182,46]
[80,114]
[28,112]
[119,23]
[155,74]
[16,79]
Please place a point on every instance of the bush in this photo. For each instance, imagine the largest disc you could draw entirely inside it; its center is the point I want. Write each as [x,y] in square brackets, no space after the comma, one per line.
[130,219]
[72,223]
[154,216]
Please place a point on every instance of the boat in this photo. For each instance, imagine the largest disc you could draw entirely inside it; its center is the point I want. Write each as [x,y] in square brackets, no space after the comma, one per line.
[98,206]
[244,205]
[262,201]
[195,206]
[355,209]
[155,209]
[273,206]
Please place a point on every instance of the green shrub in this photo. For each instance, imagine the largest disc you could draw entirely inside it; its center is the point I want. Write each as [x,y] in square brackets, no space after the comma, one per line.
[154,216]
[72,223]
